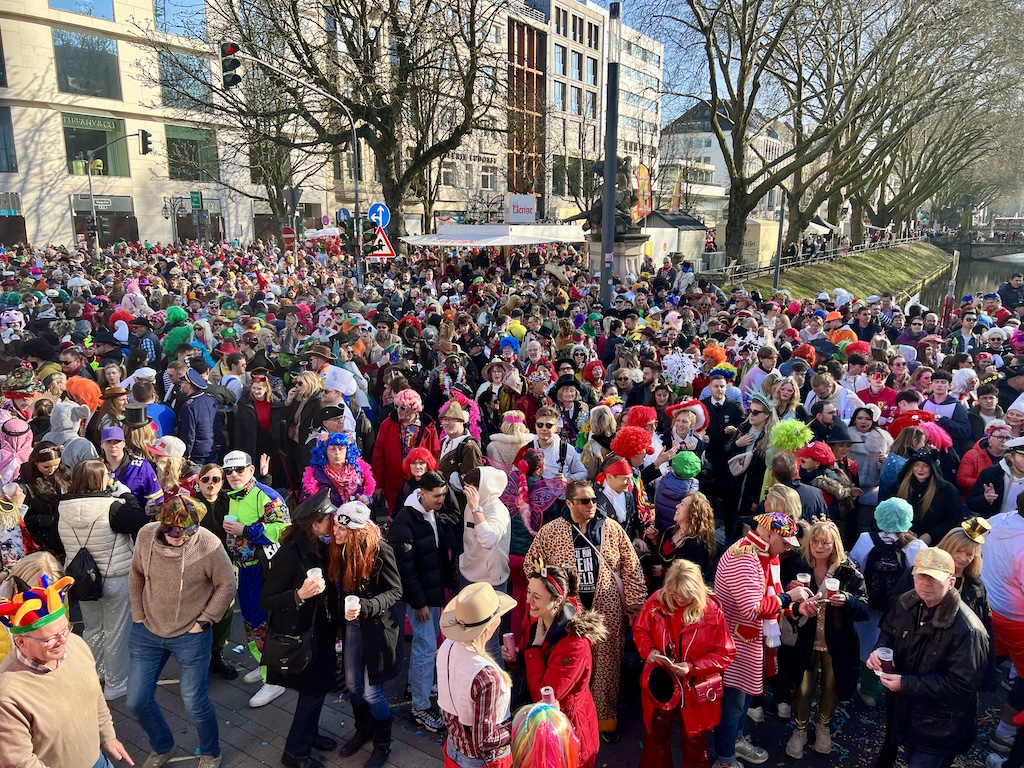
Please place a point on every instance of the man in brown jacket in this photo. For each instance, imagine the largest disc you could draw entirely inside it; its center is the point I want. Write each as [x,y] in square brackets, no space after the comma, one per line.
[174,550]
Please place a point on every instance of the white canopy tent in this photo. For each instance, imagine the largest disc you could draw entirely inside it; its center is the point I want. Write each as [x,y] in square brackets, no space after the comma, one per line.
[314,234]
[484,235]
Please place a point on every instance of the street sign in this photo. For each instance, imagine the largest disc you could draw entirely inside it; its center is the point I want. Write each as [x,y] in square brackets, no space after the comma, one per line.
[197,199]
[379,215]
[382,248]
[325,220]
[343,215]
[288,235]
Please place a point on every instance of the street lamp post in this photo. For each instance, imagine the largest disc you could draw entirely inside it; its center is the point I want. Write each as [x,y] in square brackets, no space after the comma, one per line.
[172,206]
[611,141]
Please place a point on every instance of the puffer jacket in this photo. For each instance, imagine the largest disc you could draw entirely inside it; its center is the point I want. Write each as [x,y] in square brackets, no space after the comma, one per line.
[971,465]
[503,448]
[565,662]
[486,545]
[423,561]
[85,522]
[670,491]
[942,663]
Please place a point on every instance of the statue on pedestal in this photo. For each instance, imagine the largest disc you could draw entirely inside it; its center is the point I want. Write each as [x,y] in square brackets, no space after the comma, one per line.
[625,199]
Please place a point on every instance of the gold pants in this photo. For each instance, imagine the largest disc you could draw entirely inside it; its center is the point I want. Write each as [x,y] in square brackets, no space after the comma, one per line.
[819,670]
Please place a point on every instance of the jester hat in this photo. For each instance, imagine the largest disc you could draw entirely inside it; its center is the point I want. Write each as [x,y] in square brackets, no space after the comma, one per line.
[36,607]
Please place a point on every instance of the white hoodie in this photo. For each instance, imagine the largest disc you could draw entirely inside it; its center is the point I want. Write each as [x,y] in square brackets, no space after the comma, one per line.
[1003,572]
[485,545]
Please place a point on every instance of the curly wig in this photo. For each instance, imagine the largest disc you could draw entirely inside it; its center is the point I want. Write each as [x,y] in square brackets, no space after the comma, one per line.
[639,416]
[808,353]
[714,355]
[631,442]
[409,398]
[318,456]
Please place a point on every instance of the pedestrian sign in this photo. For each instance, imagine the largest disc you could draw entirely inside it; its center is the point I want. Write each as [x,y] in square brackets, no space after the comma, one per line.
[381,246]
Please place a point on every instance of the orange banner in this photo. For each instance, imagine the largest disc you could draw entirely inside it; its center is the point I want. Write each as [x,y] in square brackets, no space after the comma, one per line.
[644,204]
[677,192]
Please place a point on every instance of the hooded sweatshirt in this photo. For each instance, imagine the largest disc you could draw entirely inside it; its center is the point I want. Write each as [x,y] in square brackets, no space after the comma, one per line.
[486,544]
[1003,574]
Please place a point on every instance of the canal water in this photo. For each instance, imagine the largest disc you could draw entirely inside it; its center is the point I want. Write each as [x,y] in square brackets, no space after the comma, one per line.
[973,277]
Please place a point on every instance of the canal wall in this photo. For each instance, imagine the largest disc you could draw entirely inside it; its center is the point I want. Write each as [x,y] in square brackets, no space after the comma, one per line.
[903,270]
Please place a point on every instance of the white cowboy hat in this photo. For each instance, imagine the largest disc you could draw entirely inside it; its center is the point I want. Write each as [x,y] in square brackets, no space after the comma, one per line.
[469,613]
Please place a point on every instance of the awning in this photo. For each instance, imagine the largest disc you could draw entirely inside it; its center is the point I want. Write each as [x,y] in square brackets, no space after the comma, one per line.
[484,235]
[822,223]
[817,229]
[474,241]
[314,234]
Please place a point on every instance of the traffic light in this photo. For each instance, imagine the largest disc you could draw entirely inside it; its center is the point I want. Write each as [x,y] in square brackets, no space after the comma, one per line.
[229,63]
[90,225]
[102,226]
[146,139]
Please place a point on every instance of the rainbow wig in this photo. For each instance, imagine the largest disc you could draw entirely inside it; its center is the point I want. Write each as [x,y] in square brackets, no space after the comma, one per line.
[318,456]
[543,737]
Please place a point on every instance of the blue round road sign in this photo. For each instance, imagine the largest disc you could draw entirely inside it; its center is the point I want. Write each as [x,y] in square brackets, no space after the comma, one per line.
[379,215]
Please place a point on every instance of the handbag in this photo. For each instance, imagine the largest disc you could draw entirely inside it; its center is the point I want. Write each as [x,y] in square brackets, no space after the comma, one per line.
[739,463]
[289,653]
[705,711]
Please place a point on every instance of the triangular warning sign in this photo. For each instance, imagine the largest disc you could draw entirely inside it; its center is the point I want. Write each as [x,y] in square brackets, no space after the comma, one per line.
[382,248]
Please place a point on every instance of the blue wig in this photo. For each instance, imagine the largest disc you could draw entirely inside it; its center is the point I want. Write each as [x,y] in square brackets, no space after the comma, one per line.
[509,341]
[318,456]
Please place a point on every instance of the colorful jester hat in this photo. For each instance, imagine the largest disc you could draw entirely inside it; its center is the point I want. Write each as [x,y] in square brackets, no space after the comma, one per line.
[36,607]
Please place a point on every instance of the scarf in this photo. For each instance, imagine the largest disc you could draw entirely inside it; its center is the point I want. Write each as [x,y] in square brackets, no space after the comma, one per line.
[347,480]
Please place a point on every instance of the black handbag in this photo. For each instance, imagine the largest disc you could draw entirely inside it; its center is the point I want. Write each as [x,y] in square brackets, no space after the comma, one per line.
[287,653]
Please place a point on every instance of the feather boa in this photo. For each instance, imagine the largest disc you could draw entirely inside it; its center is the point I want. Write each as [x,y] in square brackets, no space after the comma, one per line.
[352,480]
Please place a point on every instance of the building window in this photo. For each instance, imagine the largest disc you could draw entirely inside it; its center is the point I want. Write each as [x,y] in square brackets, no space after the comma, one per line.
[8,160]
[99,9]
[192,154]
[488,177]
[577,66]
[270,163]
[560,60]
[558,175]
[185,81]
[590,104]
[469,175]
[593,36]
[86,64]
[561,22]
[575,100]
[181,17]
[577,29]
[591,70]
[495,33]
[83,133]
[559,101]
[448,174]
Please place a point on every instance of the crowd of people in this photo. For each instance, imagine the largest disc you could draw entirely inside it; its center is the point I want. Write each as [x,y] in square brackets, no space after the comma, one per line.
[775,503]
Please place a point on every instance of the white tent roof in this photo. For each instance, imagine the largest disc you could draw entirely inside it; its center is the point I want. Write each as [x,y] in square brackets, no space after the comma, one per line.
[313,234]
[482,235]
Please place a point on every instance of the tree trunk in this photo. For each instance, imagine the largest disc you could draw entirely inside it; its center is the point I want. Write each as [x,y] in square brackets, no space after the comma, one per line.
[736,222]
[798,220]
[856,221]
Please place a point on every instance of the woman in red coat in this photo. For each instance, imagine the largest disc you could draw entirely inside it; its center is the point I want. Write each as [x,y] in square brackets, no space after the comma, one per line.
[407,427]
[683,635]
[986,452]
[558,654]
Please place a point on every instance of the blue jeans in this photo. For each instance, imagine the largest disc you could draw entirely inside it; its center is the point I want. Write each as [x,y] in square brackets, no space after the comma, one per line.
[729,728]
[305,725]
[149,654]
[103,762]
[423,655]
[357,679]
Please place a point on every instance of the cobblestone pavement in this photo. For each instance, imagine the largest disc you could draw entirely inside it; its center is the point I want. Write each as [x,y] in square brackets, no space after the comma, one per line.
[251,737]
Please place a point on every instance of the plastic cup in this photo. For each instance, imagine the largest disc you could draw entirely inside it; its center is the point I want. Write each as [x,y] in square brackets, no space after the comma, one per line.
[831,587]
[230,518]
[9,489]
[804,579]
[315,573]
[885,657]
[547,695]
[509,641]
[351,607]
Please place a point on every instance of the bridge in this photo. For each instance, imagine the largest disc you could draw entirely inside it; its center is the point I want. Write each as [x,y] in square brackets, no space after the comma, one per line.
[977,251]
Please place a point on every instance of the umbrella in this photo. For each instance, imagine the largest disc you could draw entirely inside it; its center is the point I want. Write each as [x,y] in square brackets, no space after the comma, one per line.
[824,347]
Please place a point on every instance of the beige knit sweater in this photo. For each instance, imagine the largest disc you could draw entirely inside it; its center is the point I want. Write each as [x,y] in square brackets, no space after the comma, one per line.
[53,719]
[171,588]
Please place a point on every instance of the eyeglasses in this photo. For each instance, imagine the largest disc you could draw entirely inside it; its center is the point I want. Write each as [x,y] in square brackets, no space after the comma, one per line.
[919,325]
[586,500]
[899,365]
[622,378]
[545,425]
[757,412]
[211,479]
[53,640]
[235,470]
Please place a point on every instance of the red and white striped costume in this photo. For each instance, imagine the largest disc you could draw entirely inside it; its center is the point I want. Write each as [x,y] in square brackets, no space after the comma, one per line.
[747,585]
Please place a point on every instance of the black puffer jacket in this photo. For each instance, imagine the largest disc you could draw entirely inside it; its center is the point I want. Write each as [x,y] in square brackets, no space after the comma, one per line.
[427,567]
[942,663]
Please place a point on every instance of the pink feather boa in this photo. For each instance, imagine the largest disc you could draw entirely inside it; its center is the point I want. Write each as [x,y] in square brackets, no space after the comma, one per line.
[474,413]
[310,485]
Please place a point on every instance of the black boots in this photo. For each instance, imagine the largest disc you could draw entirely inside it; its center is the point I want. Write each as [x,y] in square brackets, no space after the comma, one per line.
[381,743]
[364,730]
[221,668]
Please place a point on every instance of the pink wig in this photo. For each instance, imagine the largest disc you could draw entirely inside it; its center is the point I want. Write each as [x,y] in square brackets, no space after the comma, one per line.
[937,436]
[409,398]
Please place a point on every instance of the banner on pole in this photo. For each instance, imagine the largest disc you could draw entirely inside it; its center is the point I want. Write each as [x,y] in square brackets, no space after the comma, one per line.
[644,204]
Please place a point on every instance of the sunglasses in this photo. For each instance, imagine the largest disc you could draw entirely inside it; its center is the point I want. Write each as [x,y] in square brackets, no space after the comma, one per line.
[545,425]
[586,500]
[211,479]
[235,470]
[899,365]
[757,413]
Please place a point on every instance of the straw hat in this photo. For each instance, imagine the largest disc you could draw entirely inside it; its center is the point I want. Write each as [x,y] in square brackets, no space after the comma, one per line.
[468,614]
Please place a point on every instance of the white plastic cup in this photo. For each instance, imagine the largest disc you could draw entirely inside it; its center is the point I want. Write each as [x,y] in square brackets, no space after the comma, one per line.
[230,518]
[315,573]
[351,607]
[9,489]
[804,579]
[831,587]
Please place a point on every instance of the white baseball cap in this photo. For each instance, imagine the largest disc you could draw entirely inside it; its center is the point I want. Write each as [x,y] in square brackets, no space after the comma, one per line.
[237,459]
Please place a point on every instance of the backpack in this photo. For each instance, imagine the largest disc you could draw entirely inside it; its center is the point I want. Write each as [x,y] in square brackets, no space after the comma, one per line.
[84,569]
[884,567]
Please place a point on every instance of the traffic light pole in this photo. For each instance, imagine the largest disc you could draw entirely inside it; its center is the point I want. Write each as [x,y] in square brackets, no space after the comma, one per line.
[89,156]
[355,153]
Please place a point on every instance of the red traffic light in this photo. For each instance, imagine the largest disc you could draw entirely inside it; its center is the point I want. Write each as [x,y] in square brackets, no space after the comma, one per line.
[229,49]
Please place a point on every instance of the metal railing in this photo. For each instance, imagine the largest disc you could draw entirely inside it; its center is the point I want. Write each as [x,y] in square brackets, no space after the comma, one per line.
[717,263]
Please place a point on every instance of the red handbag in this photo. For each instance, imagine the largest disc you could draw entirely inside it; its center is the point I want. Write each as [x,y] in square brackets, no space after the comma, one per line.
[708,690]
[702,701]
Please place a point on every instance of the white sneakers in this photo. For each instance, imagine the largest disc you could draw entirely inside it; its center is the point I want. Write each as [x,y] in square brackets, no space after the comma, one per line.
[784,710]
[795,745]
[251,678]
[265,695]
[749,752]
[756,714]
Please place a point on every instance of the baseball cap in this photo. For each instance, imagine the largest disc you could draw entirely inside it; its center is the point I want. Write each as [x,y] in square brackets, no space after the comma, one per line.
[168,445]
[354,515]
[934,562]
[111,433]
[236,459]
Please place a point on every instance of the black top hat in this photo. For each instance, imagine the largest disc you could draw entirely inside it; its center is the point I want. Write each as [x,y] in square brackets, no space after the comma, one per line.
[839,433]
[136,416]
